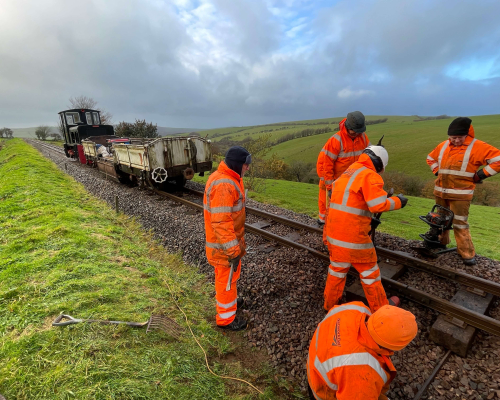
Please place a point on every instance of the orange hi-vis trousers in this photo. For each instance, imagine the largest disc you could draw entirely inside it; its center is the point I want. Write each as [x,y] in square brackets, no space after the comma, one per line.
[369,273]
[322,200]
[226,299]
[327,203]
[465,247]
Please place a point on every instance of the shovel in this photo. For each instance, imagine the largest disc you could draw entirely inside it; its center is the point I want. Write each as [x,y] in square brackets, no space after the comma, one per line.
[166,324]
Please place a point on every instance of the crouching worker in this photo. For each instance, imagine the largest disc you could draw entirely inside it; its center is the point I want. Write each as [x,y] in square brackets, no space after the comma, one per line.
[224,212]
[358,193]
[456,163]
[350,349]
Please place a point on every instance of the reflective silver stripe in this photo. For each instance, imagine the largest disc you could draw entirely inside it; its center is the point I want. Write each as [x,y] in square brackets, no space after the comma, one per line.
[455,172]
[349,184]
[370,281]
[322,215]
[454,191]
[216,182]
[342,265]
[430,158]
[349,245]
[377,201]
[227,305]
[351,210]
[337,274]
[493,160]
[440,158]
[321,179]
[350,154]
[346,307]
[329,154]
[218,210]
[227,314]
[456,226]
[353,359]
[460,218]
[328,182]
[370,271]
[337,136]
[223,246]
[393,204]
[465,161]
[435,165]
[319,367]
[490,170]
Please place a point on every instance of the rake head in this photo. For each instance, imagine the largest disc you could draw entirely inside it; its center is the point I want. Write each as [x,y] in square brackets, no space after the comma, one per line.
[165,324]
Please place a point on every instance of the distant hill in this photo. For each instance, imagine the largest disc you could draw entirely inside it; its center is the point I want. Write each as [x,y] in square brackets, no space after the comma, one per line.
[162,130]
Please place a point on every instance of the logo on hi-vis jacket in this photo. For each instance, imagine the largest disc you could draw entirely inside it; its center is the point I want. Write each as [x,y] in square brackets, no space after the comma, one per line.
[336,336]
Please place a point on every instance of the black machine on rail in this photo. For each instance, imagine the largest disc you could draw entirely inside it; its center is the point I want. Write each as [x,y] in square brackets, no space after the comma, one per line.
[80,124]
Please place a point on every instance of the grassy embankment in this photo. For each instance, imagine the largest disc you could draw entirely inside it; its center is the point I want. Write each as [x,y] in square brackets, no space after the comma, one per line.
[408,142]
[303,198]
[64,251]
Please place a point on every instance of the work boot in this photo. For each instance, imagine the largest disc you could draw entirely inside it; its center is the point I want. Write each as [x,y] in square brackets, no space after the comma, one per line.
[238,324]
[394,301]
[240,303]
[470,261]
[320,223]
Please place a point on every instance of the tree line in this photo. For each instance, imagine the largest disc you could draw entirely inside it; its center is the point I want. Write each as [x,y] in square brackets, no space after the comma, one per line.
[6,133]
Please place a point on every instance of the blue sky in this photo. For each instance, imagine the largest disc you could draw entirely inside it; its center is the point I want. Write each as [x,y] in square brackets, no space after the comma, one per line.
[213,63]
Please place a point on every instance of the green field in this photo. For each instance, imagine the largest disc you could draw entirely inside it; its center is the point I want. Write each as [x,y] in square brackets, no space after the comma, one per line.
[63,251]
[407,142]
[303,198]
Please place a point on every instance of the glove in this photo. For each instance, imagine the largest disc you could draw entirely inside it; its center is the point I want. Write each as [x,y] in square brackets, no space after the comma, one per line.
[234,262]
[375,223]
[329,194]
[479,176]
[403,199]
[436,173]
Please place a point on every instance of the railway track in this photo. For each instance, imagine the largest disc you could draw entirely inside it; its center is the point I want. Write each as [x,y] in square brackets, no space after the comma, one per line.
[436,303]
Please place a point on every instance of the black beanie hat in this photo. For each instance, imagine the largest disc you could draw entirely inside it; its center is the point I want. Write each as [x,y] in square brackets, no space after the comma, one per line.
[236,156]
[459,126]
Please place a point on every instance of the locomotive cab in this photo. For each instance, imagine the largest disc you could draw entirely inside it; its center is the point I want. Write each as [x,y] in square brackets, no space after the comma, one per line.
[80,124]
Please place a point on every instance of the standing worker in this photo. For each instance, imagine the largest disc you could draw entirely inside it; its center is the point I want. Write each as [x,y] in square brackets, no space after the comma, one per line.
[224,212]
[350,349]
[356,195]
[339,152]
[455,162]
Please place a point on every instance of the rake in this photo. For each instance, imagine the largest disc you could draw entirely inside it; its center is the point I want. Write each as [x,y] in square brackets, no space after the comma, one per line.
[155,322]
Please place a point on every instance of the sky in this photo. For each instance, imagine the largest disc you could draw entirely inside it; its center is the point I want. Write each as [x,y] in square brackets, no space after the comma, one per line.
[215,63]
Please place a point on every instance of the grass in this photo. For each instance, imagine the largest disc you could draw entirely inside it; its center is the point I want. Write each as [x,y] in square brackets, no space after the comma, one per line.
[63,251]
[407,142]
[303,198]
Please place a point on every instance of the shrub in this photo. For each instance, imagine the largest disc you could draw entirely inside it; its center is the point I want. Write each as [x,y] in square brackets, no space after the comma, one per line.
[402,183]
[487,194]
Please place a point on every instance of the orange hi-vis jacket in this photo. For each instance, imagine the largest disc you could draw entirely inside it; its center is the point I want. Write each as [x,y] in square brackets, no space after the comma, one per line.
[356,194]
[224,212]
[344,362]
[340,151]
[456,166]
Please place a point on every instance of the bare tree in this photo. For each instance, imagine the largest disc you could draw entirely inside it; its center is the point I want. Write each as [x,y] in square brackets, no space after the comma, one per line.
[90,103]
[42,132]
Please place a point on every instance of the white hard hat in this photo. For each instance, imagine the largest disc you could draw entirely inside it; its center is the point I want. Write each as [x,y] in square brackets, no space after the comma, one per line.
[380,152]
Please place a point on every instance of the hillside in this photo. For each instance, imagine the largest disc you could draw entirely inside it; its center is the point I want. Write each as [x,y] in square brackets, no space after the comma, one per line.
[408,142]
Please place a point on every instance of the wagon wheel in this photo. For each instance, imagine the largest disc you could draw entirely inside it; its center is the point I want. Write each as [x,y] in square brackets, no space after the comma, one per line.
[159,175]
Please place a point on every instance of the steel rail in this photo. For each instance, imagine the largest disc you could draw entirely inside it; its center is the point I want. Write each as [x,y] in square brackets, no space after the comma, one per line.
[399,257]
[431,377]
[472,318]
[50,147]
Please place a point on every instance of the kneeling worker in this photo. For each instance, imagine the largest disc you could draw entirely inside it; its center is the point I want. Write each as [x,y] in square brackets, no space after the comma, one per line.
[350,349]
[224,212]
[356,194]
[456,164]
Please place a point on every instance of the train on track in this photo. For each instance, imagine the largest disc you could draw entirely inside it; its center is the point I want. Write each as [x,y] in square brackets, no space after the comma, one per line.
[133,160]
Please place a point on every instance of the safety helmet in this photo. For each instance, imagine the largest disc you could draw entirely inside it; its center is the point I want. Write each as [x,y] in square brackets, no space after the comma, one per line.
[379,156]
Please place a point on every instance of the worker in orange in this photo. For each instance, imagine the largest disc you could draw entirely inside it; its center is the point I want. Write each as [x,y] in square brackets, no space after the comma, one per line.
[356,195]
[339,152]
[456,164]
[224,213]
[349,354]
[322,189]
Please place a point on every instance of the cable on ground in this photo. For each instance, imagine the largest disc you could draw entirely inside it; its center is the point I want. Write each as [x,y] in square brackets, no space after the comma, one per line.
[204,352]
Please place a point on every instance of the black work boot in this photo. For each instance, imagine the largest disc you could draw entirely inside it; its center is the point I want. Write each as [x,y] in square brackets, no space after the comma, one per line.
[394,301]
[238,324]
[470,261]
[241,303]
